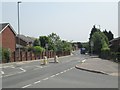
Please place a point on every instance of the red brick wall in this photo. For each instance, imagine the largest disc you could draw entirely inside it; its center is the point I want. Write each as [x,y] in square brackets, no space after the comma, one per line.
[8,39]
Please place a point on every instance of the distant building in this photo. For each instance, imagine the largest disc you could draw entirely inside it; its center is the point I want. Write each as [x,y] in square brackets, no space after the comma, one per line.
[115,44]
[7,37]
[24,41]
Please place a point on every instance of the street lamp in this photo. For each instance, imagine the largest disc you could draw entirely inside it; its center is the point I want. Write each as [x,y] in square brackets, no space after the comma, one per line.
[18,29]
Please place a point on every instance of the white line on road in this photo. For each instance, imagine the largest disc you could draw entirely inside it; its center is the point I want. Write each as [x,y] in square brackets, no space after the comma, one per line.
[83,60]
[57,74]
[61,72]
[52,76]
[45,78]
[37,82]
[2,72]
[23,69]
[64,71]
[26,86]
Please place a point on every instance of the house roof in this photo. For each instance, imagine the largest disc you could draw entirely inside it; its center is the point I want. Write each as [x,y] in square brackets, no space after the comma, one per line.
[25,38]
[5,25]
[115,39]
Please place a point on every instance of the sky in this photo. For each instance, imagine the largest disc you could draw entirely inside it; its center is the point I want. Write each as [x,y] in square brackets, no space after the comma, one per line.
[71,20]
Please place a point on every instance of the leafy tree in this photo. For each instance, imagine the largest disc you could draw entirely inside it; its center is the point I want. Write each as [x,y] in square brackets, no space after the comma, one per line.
[100,41]
[44,40]
[54,40]
[94,29]
[67,46]
[108,34]
[36,42]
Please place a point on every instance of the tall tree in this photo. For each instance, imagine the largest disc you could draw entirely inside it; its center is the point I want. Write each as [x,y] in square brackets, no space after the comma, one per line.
[100,41]
[36,42]
[108,34]
[94,29]
[44,40]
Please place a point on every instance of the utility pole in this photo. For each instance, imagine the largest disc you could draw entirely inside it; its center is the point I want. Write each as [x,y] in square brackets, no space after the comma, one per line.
[18,29]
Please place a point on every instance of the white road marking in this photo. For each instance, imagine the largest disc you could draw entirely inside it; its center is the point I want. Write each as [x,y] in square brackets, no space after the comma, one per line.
[23,69]
[26,86]
[52,76]
[45,78]
[37,82]
[57,74]
[64,71]
[38,67]
[61,72]
[2,72]
[83,60]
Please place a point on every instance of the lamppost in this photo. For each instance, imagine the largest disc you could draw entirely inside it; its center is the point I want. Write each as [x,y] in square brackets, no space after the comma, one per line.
[18,29]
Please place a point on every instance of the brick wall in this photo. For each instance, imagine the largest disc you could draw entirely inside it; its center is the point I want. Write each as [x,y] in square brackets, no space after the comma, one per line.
[8,39]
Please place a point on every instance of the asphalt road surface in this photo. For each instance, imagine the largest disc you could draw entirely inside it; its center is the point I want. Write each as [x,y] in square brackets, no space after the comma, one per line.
[55,75]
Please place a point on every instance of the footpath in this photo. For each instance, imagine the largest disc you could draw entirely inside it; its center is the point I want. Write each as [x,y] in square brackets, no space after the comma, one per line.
[98,65]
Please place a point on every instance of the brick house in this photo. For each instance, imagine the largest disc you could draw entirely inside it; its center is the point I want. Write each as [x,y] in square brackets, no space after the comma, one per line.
[7,37]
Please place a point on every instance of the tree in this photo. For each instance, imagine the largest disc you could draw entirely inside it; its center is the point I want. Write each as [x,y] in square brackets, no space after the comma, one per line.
[36,42]
[94,29]
[54,40]
[67,46]
[108,34]
[44,40]
[100,41]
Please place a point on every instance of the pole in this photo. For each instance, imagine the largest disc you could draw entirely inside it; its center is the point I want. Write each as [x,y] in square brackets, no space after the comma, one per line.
[18,30]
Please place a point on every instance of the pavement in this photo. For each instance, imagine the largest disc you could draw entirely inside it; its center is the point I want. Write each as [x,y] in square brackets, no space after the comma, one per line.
[97,65]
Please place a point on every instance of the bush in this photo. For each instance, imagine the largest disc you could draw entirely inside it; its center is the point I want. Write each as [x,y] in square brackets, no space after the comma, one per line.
[38,49]
[105,53]
[5,55]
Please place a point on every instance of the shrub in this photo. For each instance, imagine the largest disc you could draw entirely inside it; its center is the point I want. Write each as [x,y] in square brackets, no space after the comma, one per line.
[105,53]
[38,49]
[6,55]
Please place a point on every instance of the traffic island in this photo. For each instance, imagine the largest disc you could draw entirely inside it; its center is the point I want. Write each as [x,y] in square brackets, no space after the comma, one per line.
[97,65]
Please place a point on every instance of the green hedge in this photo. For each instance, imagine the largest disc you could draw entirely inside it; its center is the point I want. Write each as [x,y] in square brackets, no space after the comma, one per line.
[105,53]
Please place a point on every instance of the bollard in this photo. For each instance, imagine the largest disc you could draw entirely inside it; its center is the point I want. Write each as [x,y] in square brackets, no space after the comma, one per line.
[45,60]
[56,59]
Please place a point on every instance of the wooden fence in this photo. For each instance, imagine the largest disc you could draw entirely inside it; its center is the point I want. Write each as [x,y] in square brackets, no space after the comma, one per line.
[26,56]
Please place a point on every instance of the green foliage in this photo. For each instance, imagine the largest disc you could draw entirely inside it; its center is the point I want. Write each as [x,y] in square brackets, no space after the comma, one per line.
[38,49]
[36,42]
[105,53]
[86,46]
[67,46]
[44,40]
[6,55]
[100,42]
[109,35]
[94,29]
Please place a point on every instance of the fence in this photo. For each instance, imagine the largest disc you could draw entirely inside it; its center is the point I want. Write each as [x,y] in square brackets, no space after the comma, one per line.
[26,56]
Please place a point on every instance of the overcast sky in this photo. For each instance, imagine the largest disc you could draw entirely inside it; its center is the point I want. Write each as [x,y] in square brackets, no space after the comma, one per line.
[70,20]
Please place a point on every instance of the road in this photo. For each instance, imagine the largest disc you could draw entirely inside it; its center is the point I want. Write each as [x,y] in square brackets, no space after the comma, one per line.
[55,75]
